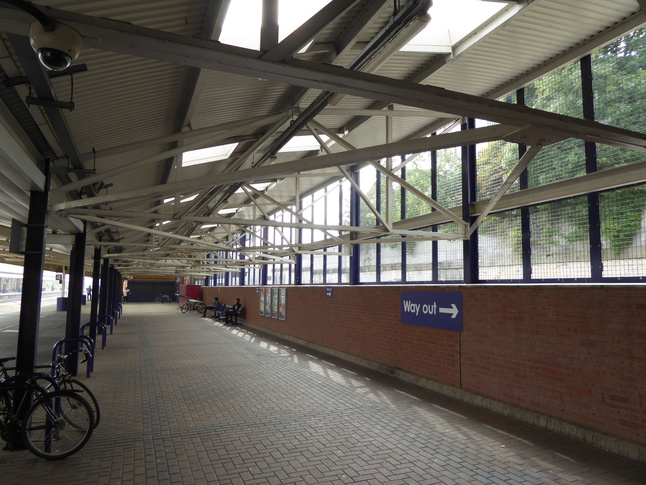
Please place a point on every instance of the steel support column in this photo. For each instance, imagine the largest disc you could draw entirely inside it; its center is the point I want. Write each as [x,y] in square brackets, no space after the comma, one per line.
[298,232]
[264,270]
[525,217]
[32,282]
[435,264]
[469,195]
[32,278]
[96,284]
[594,211]
[105,291]
[402,216]
[379,206]
[75,296]
[355,210]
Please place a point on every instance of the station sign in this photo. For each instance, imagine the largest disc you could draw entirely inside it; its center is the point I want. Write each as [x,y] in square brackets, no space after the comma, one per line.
[435,309]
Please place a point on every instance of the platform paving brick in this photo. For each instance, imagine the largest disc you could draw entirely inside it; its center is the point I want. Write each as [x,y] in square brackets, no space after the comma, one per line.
[187,400]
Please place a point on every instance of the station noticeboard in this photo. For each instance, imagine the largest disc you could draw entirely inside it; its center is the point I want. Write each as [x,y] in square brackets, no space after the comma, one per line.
[435,309]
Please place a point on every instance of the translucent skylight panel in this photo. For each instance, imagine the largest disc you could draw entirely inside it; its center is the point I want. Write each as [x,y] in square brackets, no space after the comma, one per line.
[294,13]
[260,186]
[451,21]
[206,155]
[243,21]
[303,143]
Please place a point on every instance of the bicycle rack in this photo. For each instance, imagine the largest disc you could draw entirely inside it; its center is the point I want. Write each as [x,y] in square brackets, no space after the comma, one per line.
[82,340]
[116,314]
[111,317]
[102,331]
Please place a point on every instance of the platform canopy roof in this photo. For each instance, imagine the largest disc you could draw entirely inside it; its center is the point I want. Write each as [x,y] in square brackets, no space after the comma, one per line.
[183,123]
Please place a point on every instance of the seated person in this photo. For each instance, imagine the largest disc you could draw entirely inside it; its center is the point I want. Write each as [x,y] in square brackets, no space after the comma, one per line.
[217,306]
[232,313]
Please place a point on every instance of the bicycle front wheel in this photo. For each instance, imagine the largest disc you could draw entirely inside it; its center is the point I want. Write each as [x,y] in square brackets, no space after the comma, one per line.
[185,307]
[158,299]
[58,425]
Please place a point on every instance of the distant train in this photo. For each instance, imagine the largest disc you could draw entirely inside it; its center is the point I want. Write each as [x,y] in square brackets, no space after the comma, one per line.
[11,283]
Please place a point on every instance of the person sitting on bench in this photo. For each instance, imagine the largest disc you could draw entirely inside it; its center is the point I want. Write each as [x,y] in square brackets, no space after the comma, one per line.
[232,313]
[217,307]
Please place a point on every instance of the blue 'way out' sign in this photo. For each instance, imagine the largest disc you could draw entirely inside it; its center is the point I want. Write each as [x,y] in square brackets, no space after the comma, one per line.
[436,309]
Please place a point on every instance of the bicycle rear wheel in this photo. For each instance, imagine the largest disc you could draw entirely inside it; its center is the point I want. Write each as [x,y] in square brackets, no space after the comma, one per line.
[199,307]
[58,425]
[5,404]
[76,385]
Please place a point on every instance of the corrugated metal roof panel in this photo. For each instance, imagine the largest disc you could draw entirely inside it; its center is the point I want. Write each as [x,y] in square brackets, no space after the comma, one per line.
[228,97]
[178,16]
[120,99]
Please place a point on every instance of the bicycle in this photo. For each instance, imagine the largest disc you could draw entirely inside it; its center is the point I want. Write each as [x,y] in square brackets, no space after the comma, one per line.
[52,425]
[59,378]
[196,305]
[162,298]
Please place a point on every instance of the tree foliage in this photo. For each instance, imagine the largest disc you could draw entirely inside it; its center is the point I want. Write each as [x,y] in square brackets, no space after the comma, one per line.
[619,75]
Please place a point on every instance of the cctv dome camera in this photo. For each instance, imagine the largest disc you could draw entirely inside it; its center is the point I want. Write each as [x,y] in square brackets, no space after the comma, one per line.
[57,45]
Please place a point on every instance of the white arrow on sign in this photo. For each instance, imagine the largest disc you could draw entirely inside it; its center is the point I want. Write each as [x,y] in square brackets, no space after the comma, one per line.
[453,310]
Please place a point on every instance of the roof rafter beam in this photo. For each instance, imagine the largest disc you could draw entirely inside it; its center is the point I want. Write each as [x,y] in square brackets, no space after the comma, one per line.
[467,137]
[125,225]
[284,208]
[413,190]
[365,199]
[17,165]
[210,130]
[214,220]
[224,134]
[297,39]
[527,157]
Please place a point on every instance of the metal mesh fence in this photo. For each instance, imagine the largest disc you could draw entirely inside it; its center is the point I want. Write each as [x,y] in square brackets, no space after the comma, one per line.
[623,232]
[500,247]
[560,240]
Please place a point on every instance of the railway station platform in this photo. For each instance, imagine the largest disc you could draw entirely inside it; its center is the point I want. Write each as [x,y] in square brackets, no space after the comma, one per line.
[187,400]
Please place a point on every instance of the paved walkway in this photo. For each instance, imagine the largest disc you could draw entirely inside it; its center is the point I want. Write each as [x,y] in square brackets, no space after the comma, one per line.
[187,400]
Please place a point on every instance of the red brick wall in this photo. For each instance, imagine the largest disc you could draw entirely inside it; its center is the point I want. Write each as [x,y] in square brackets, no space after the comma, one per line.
[574,352]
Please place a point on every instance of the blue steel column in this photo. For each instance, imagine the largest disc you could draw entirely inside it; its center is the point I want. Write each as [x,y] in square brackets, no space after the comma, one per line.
[207,279]
[32,282]
[105,290]
[114,292]
[402,215]
[378,245]
[32,278]
[117,288]
[264,268]
[594,213]
[355,258]
[96,278]
[298,264]
[340,266]
[470,246]
[435,264]
[73,322]
[525,216]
